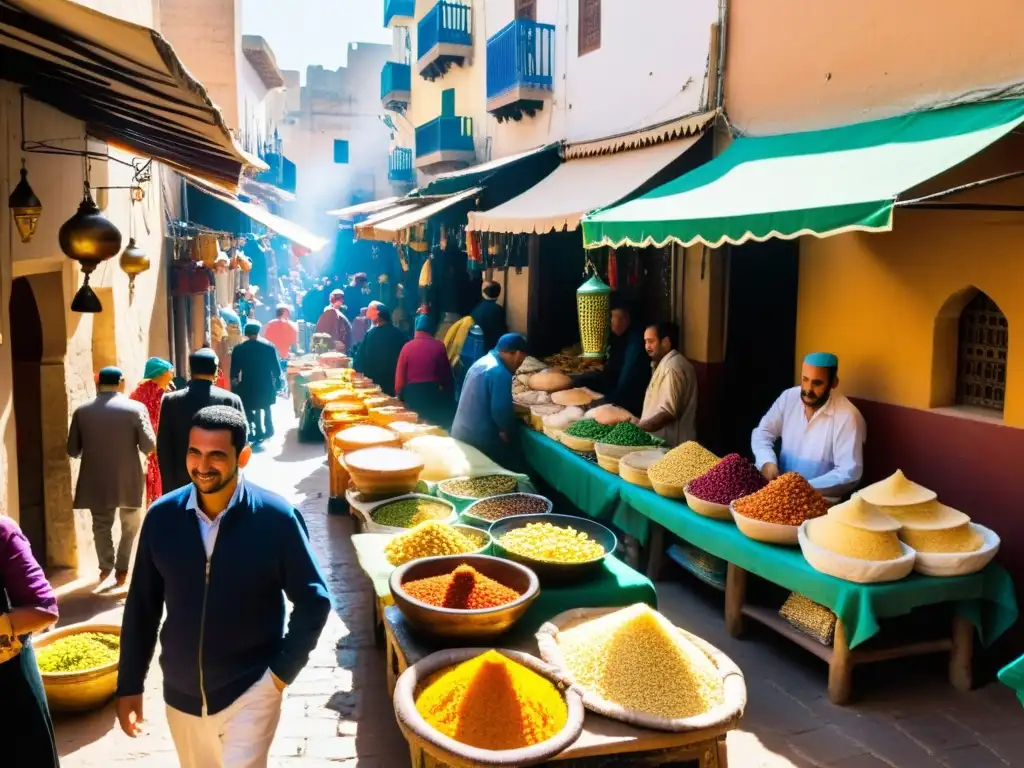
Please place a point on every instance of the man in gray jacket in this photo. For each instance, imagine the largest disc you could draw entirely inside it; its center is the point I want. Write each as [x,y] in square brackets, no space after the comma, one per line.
[111,434]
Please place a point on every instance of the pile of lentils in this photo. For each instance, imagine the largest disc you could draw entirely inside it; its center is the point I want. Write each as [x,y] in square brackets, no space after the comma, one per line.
[732,478]
[626,657]
[480,487]
[682,464]
[629,435]
[428,539]
[787,500]
[553,543]
[79,652]
[588,429]
[492,702]
[464,588]
[509,505]
[407,513]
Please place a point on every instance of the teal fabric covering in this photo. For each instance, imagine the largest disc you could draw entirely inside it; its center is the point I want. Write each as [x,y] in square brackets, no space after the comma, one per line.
[987,598]
[1012,676]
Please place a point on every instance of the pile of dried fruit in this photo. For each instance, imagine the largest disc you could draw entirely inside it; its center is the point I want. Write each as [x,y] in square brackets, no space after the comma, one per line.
[732,478]
[787,500]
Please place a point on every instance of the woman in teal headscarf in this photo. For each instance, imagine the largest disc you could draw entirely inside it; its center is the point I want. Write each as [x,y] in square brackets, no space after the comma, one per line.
[423,377]
[156,380]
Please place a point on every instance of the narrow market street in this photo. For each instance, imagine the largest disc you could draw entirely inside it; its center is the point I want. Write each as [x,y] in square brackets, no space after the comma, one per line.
[338,713]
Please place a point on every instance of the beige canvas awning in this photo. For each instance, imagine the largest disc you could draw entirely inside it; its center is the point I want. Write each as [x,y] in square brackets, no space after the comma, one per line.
[558,201]
[391,229]
[289,230]
[359,209]
[124,81]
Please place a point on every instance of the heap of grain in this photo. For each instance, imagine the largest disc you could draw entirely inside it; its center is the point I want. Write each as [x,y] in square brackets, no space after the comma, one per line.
[636,659]
[464,588]
[509,505]
[79,652]
[408,513]
[551,543]
[787,500]
[896,491]
[492,702]
[857,530]
[430,538]
[481,487]
[934,528]
[680,465]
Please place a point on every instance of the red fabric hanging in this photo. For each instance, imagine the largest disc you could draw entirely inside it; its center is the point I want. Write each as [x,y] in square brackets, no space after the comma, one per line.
[634,271]
[613,270]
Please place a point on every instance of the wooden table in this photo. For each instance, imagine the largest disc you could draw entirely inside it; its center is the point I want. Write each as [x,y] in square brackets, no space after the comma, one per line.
[604,742]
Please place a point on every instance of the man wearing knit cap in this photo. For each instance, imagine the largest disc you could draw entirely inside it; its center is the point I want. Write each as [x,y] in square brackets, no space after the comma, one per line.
[177,410]
[110,434]
[486,417]
[822,432]
[256,377]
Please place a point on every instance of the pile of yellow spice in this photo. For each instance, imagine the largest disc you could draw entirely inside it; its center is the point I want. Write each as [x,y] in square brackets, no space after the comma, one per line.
[637,659]
[431,538]
[492,702]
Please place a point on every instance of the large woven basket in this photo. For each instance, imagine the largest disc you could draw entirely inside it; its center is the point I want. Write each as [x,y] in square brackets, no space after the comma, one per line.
[726,715]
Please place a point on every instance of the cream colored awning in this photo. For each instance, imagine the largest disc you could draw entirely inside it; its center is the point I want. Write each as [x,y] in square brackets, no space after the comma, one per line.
[558,201]
[357,210]
[124,81]
[677,128]
[391,229]
[289,230]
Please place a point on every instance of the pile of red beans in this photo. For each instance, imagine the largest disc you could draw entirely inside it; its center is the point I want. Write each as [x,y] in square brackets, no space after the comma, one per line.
[730,479]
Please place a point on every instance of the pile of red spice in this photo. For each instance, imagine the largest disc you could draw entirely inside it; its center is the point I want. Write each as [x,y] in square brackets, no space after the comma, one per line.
[464,588]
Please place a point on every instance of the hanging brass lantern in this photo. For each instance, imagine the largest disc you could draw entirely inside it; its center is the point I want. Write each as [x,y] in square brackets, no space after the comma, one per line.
[25,207]
[89,238]
[134,262]
[592,301]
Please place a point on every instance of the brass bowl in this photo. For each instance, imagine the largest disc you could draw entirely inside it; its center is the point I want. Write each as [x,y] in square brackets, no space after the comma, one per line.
[78,691]
[481,624]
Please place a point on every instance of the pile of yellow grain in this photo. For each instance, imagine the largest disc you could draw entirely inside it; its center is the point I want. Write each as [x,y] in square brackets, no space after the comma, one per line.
[635,658]
[428,539]
[682,464]
[857,529]
[934,528]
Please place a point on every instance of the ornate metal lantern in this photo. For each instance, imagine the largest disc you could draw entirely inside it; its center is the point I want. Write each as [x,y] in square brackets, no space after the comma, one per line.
[25,207]
[89,238]
[592,302]
[134,262]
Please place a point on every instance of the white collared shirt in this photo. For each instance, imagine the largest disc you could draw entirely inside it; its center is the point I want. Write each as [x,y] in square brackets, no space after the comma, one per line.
[208,528]
[827,449]
[673,390]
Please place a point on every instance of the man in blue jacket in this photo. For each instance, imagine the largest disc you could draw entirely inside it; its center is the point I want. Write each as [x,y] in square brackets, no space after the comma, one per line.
[486,415]
[221,555]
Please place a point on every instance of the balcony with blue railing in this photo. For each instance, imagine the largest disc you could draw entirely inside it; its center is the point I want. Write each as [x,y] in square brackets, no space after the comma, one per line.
[400,167]
[445,144]
[399,13]
[395,86]
[520,69]
[444,36]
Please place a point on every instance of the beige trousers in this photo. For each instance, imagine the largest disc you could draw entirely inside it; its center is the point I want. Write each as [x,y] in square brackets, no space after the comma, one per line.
[236,737]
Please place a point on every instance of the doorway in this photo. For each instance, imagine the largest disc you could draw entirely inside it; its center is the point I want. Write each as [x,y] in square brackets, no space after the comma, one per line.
[27,357]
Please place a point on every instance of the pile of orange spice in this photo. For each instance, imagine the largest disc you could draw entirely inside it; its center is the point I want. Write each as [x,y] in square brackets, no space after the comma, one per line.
[492,702]
[464,588]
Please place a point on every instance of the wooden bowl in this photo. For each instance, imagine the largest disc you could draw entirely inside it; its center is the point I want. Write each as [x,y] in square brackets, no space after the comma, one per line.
[769,533]
[482,624]
[384,471]
[385,438]
[78,691]
[447,751]
[553,573]
[706,508]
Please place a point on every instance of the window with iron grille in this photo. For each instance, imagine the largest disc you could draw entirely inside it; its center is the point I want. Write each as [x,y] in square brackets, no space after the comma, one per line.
[589,26]
[981,362]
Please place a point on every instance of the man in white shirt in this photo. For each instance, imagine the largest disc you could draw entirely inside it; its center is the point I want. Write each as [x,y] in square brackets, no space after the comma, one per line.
[670,404]
[822,432]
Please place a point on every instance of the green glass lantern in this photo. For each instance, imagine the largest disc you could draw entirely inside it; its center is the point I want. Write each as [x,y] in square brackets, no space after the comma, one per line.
[592,302]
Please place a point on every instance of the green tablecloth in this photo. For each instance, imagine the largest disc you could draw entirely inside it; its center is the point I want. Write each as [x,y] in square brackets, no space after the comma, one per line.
[616,585]
[986,598]
[1012,676]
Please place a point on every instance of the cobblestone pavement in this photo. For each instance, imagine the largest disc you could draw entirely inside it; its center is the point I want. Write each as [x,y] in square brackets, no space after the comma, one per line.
[337,713]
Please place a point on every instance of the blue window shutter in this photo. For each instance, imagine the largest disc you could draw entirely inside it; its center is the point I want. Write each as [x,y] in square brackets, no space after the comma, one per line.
[340,151]
[448,102]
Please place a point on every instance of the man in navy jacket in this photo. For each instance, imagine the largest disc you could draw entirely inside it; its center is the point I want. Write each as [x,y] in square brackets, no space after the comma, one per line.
[220,555]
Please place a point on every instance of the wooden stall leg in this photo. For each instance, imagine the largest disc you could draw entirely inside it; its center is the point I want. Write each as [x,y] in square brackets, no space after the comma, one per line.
[708,755]
[735,596]
[655,552]
[379,637]
[840,668]
[961,655]
[723,753]
[391,666]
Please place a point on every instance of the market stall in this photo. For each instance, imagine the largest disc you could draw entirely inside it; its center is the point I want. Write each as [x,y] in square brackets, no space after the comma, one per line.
[983,601]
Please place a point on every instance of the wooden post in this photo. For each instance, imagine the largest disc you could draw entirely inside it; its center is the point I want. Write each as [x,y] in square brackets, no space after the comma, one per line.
[735,596]
[961,655]
[840,668]
[655,551]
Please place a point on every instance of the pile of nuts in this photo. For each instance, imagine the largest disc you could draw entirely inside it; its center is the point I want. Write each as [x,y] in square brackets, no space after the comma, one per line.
[480,487]
[682,464]
[787,500]
[509,505]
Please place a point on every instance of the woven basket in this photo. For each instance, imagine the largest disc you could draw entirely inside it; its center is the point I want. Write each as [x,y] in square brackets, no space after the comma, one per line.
[618,451]
[634,475]
[809,617]
[669,491]
[554,434]
[769,533]
[728,713]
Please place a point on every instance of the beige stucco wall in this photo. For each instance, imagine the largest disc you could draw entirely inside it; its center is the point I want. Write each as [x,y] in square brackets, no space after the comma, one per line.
[812,63]
[70,356]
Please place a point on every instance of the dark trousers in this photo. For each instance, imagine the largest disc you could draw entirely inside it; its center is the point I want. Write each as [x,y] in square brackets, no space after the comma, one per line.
[261,423]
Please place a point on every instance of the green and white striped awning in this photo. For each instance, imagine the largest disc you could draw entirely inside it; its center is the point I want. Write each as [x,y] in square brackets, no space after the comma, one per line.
[816,183]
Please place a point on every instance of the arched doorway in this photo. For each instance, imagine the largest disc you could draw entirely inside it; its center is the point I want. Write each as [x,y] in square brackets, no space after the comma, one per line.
[27,355]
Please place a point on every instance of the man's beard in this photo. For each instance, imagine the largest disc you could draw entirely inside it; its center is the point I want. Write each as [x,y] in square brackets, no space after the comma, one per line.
[218,486]
[810,400]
